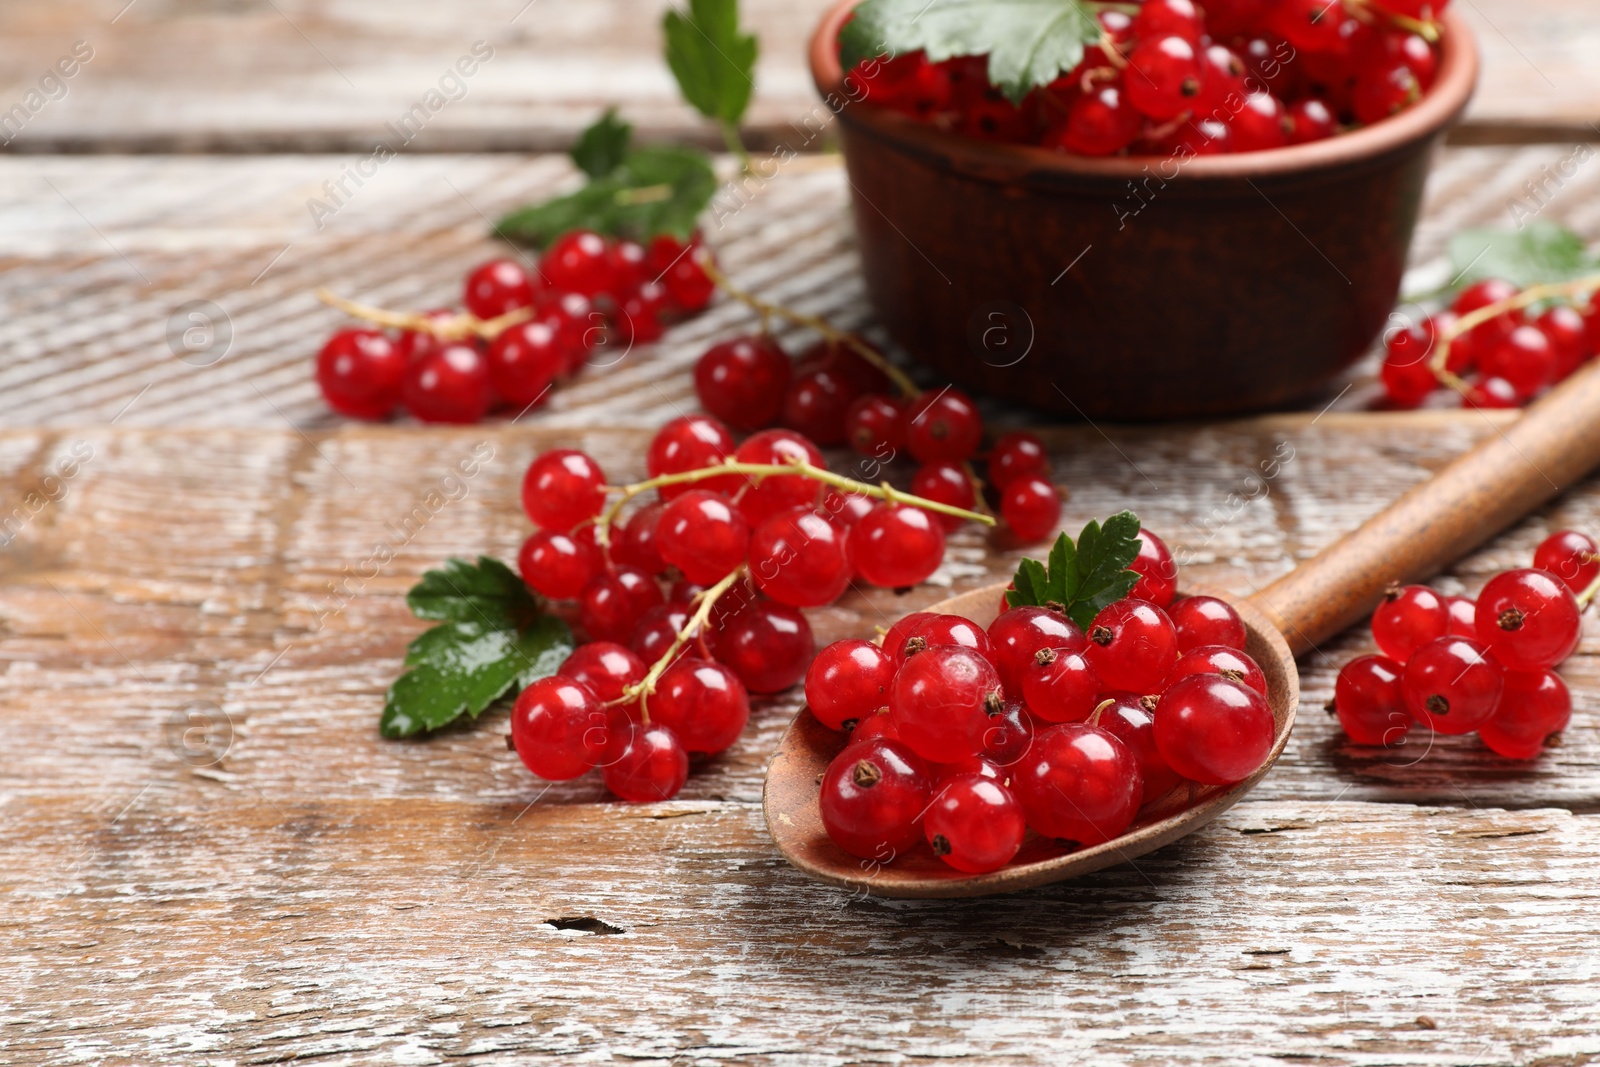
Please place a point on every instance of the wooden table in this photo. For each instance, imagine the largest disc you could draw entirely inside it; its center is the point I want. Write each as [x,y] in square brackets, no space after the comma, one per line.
[207,855]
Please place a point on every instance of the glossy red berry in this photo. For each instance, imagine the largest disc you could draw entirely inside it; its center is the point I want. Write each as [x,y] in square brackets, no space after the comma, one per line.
[1407,377]
[1158,18]
[1491,394]
[448,385]
[800,558]
[1384,91]
[874,425]
[703,535]
[1098,123]
[579,262]
[360,373]
[815,404]
[1310,25]
[579,327]
[558,728]
[1368,701]
[945,483]
[1009,735]
[1015,455]
[1528,619]
[498,287]
[1205,620]
[1219,659]
[1313,120]
[974,824]
[1223,81]
[1079,785]
[613,602]
[1131,719]
[768,645]
[1563,326]
[1534,706]
[1408,618]
[556,565]
[658,628]
[414,344]
[703,703]
[688,443]
[1163,77]
[742,381]
[1018,634]
[848,681]
[1481,294]
[941,700]
[524,360]
[1523,357]
[563,487]
[877,724]
[770,494]
[1132,646]
[678,268]
[1451,685]
[1061,686]
[633,544]
[894,639]
[872,799]
[943,629]
[1261,123]
[896,546]
[1463,617]
[1158,571]
[1031,507]
[1213,730]
[943,425]
[639,314]
[1571,556]
[605,668]
[650,766]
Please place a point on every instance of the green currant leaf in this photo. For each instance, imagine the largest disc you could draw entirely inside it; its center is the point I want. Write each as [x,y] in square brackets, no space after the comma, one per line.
[1029,42]
[1542,251]
[713,62]
[493,638]
[655,190]
[602,147]
[1085,576]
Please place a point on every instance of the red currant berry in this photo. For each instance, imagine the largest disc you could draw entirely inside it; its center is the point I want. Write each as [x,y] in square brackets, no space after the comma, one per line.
[414,344]
[1564,328]
[639,315]
[878,724]
[1534,706]
[579,328]
[524,360]
[742,381]
[1015,455]
[1132,646]
[1491,393]
[1131,719]
[650,765]
[605,668]
[974,824]
[945,483]
[703,703]
[498,287]
[815,404]
[629,266]
[360,373]
[1060,686]
[688,443]
[768,645]
[703,535]
[941,700]
[1408,618]
[875,425]
[449,385]
[844,510]
[1451,685]
[1313,121]
[845,361]
[1481,294]
[1407,376]
[1158,18]
[770,494]
[1163,77]
[1018,634]
[613,602]
[943,425]
[678,268]
[1205,620]
[848,681]
[1385,91]
[1031,507]
[1414,51]
[634,544]
[1009,735]
[657,630]
[562,488]
[555,565]
[1529,619]
[1222,79]
[1571,556]
[873,795]
[799,558]
[1098,123]
[1079,785]
[579,262]
[897,547]
[1220,659]
[943,630]
[1158,571]
[1523,357]
[553,728]
[1368,701]
[1463,617]
[1311,25]
[1213,730]
[1261,123]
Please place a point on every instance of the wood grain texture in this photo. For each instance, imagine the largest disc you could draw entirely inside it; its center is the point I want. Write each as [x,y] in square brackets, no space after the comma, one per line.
[181,75]
[98,256]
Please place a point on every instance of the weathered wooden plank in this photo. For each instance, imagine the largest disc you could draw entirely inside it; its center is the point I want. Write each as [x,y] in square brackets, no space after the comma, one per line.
[98,256]
[241,572]
[296,75]
[191,921]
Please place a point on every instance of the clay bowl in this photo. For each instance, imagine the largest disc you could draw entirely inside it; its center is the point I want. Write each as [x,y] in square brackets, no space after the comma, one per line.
[795,821]
[1136,288]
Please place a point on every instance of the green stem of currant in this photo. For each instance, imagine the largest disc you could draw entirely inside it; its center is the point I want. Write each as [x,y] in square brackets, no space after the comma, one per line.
[703,603]
[735,143]
[767,310]
[444,327]
[1473,319]
[1588,595]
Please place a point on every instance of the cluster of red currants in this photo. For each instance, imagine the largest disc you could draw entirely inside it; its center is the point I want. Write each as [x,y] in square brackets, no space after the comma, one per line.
[1172,79]
[522,330]
[967,738]
[834,395]
[1503,361]
[1455,665]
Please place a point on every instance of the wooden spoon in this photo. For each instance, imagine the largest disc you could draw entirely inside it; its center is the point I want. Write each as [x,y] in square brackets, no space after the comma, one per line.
[1556,442]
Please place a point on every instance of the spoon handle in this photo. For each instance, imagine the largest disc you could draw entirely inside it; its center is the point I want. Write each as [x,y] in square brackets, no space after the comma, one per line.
[1513,471]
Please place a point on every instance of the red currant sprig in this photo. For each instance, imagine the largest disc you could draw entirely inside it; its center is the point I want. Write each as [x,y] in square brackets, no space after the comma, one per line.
[1524,360]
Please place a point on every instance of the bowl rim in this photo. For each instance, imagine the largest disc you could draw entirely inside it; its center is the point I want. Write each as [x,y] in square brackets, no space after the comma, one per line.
[1439,107]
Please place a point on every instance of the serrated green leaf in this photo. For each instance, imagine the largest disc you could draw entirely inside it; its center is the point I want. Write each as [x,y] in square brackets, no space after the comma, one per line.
[1085,576]
[1063,562]
[713,62]
[602,147]
[656,190]
[1029,42]
[488,593]
[1543,251]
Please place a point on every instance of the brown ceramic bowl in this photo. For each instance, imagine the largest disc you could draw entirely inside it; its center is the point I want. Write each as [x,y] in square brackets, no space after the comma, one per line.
[1137,288]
